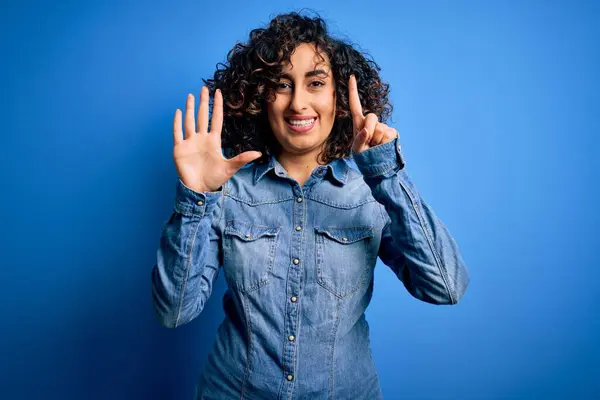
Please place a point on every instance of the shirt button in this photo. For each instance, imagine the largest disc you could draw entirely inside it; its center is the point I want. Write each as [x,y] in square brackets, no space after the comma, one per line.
[290,377]
[299,199]
[298,228]
[320,172]
[248,235]
[200,203]
[296,261]
[294,299]
[291,338]
[345,239]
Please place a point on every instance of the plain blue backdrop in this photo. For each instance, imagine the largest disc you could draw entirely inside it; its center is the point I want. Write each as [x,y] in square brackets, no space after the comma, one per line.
[497,105]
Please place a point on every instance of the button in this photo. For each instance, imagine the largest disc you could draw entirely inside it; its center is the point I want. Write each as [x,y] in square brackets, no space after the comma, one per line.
[345,239]
[294,299]
[248,235]
[296,261]
[290,377]
[292,338]
[298,228]
[320,171]
[399,147]
[200,203]
[299,199]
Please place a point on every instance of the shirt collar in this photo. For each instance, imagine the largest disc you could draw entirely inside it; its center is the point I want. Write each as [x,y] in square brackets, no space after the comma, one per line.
[338,169]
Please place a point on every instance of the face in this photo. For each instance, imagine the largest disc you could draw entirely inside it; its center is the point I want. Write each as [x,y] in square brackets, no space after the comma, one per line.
[303,112]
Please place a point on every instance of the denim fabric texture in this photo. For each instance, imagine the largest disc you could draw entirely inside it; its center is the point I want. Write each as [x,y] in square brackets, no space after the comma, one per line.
[299,262]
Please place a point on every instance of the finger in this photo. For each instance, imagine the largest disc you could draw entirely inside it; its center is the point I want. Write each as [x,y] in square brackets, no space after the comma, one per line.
[360,141]
[177,130]
[370,124]
[188,122]
[216,123]
[354,103]
[203,110]
[378,135]
[390,135]
[244,158]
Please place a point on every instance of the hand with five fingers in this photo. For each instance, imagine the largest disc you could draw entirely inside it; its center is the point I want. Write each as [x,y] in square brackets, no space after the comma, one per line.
[368,131]
[198,157]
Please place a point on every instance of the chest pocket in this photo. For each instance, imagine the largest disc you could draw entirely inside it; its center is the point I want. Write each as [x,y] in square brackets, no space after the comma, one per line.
[344,259]
[248,254]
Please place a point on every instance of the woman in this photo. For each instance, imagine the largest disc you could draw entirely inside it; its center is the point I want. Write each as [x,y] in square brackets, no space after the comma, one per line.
[313,191]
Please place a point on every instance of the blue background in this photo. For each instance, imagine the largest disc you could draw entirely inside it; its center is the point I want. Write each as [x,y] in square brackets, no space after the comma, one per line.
[497,105]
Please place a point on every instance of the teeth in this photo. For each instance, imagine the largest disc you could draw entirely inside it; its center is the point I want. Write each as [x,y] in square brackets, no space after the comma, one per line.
[303,122]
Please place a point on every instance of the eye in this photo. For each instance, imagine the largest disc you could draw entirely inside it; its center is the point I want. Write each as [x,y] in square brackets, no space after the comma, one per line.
[281,85]
[319,83]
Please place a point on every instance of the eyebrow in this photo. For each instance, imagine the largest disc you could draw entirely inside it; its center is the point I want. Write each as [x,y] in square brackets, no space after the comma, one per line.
[308,74]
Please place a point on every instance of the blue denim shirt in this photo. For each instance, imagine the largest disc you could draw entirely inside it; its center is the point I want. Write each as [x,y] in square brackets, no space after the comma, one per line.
[298,262]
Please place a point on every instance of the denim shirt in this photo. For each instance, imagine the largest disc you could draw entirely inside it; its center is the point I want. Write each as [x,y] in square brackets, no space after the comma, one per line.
[298,262]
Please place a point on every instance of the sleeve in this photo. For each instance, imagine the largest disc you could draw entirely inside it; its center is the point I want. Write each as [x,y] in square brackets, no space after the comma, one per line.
[415,244]
[188,257]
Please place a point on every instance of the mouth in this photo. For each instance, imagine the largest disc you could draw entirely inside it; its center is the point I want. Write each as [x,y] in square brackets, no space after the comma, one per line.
[301,125]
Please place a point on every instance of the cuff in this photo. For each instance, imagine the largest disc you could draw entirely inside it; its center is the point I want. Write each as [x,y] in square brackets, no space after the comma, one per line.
[191,203]
[380,159]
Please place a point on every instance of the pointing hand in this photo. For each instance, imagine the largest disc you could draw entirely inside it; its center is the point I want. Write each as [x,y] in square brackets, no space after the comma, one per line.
[368,131]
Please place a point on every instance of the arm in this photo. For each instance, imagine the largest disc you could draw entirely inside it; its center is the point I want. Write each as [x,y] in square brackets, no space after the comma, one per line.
[188,257]
[415,244]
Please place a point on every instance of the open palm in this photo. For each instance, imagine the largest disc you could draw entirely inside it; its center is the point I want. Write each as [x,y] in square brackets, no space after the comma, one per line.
[198,157]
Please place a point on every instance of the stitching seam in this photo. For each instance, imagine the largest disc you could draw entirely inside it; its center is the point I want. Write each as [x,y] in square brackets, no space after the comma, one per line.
[436,257]
[191,242]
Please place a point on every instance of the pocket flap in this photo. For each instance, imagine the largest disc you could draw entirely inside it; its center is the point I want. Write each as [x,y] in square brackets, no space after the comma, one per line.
[347,235]
[248,232]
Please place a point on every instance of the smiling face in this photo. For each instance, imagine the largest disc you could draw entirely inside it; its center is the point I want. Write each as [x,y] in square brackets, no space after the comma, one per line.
[302,114]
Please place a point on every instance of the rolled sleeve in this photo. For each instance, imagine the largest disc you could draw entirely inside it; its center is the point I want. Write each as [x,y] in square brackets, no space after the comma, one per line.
[381,159]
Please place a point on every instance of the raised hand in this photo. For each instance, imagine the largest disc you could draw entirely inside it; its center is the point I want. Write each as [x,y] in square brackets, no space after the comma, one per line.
[198,158]
[368,131]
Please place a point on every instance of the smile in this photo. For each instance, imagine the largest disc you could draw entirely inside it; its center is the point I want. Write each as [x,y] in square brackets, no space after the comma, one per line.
[301,125]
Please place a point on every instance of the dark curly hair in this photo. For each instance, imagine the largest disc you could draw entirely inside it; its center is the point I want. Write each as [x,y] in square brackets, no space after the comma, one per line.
[253,70]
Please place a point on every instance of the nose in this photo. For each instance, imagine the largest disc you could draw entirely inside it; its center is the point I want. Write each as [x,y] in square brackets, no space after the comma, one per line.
[300,99]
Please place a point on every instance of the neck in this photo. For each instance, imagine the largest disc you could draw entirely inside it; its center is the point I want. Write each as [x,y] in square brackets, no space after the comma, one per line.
[299,166]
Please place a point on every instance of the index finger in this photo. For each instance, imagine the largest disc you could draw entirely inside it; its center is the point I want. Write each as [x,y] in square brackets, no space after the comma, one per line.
[354,100]
[216,123]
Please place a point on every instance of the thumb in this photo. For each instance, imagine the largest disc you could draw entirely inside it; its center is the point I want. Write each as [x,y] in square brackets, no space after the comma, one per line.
[244,158]
[360,141]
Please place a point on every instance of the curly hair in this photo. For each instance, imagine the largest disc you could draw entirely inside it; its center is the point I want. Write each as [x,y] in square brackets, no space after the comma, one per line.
[249,78]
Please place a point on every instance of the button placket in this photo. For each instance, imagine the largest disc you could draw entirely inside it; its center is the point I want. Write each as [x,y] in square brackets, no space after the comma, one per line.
[294,278]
